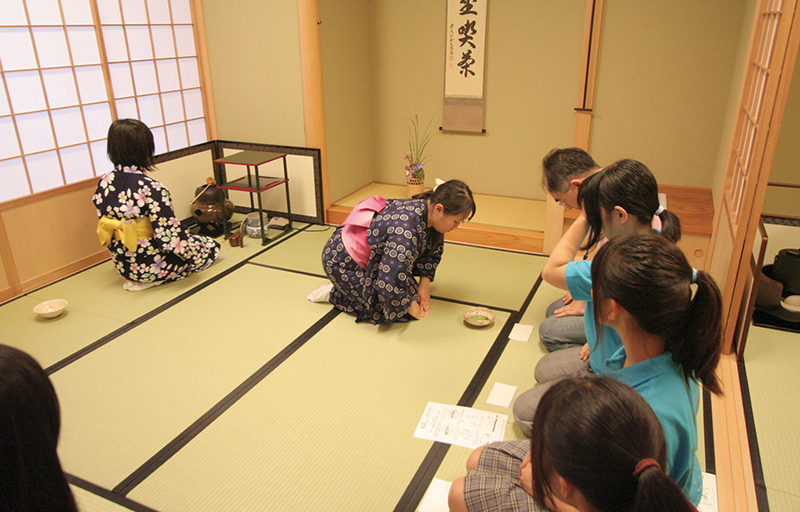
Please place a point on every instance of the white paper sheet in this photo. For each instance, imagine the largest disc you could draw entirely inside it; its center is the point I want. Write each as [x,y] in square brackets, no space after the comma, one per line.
[521,332]
[501,394]
[708,503]
[461,426]
[435,499]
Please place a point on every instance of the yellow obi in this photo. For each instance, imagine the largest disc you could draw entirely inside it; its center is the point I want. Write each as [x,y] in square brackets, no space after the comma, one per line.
[129,232]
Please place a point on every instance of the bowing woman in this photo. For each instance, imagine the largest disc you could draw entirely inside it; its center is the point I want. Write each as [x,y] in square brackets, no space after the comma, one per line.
[382,259]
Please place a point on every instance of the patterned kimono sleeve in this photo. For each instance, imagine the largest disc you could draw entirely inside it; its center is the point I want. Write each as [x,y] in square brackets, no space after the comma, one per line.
[169,235]
[395,286]
[428,260]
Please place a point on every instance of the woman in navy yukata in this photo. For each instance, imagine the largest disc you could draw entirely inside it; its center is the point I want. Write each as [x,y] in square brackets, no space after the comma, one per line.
[148,244]
[376,256]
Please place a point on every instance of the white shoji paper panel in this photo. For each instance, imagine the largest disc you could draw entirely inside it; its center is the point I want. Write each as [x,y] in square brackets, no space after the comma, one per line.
[144,76]
[133,12]
[44,171]
[83,44]
[193,103]
[51,46]
[59,84]
[35,132]
[176,136]
[139,44]
[68,125]
[184,41]
[181,12]
[100,158]
[98,119]
[91,84]
[116,48]
[197,131]
[127,109]
[160,139]
[189,74]
[5,108]
[168,75]
[25,90]
[44,12]
[109,12]
[150,110]
[12,12]
[16,49]
[158,11]
[121,79]
[77,163]
[15,182]
[77,12]
[8,134]
[163,41]
[173,107]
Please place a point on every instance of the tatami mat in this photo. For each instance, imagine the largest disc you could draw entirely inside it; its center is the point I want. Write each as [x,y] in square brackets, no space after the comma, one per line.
[772,378]
[98,305]
[469,274]
[125,401]
[230,391]
[335,421]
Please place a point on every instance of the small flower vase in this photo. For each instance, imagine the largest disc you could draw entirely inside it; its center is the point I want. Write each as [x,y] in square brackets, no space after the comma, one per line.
[414,187]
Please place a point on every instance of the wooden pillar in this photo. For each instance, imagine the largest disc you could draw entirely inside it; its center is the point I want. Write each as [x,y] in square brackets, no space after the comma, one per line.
[313,97]
[554,214]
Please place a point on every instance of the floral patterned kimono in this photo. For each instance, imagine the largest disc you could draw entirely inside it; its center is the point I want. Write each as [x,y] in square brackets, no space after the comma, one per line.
[402,246]
[171,253]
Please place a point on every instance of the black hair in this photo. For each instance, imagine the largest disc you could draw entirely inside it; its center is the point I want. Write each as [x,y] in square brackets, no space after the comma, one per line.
[650,278]
[560,166]
[31,477]
[593,432]
[130,143]
[454,195]
[631,185]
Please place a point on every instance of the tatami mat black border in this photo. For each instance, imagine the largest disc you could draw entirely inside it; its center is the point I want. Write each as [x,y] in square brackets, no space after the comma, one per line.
[752,439]
[421,480]
[163,455]
[708,433]
[108,495]
[147,316]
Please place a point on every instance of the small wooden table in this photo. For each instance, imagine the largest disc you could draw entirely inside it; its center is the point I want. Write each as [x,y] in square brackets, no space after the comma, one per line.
[256,185]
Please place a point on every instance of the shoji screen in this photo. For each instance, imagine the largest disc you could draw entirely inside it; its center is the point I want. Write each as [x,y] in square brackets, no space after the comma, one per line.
[71,66]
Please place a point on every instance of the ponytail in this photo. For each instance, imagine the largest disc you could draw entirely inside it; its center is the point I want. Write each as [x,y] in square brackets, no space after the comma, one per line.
[670,226]
[630,185]
[698,349]
[651,279]
[655,490]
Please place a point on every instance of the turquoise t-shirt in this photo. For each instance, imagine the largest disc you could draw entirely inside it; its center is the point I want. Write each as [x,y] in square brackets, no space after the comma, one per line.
[661,383]
[610,355]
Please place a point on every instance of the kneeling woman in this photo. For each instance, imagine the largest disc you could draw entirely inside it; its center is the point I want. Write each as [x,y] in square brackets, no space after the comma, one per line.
[148,244]
[373,257]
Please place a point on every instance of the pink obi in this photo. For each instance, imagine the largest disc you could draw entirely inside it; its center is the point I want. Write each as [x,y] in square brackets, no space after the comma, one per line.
[354,231]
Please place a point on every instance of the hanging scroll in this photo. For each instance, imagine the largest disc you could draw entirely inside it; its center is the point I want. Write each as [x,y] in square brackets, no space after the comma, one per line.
[463,78]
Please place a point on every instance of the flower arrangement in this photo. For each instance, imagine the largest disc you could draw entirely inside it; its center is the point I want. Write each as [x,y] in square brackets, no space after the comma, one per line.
[417,141]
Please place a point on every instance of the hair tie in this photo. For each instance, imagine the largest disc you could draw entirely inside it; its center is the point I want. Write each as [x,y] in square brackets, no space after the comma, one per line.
[694,276]
[656,222]
[644,464]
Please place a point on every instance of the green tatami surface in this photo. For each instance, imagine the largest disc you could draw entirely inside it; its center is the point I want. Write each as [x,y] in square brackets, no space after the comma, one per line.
[771,377]
[229,390]
[343,408]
